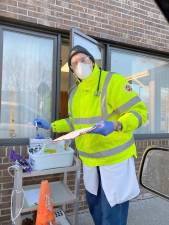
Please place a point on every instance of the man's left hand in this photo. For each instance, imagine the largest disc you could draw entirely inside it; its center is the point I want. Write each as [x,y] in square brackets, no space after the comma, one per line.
[104,128]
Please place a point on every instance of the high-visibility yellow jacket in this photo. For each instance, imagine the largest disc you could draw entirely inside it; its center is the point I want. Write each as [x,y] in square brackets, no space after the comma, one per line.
[116,102]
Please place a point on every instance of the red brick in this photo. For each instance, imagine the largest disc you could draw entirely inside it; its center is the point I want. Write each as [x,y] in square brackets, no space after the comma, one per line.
[36,15]
[7,185]
[7,222]
[2,151]
[3,7]
[71,12]
[27,6]
[4,206]
[5,192]
[5,179]
[5,173]
[17,10]
[4,166]
[6,198]
[9,2]
[5,160]
[5,211]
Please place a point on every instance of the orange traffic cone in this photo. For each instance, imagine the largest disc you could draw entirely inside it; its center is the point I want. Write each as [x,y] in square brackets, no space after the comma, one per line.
[45,212]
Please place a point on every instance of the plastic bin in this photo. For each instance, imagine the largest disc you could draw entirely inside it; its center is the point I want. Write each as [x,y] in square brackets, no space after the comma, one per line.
[42,160]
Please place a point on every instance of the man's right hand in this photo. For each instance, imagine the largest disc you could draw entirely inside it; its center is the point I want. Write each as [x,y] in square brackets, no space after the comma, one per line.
[41,123]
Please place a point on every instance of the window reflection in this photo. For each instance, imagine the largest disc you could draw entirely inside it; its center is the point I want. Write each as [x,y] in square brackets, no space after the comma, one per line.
[149,77]
[26,83]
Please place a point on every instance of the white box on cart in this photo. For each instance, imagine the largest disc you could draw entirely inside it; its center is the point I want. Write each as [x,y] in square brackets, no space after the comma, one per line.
[41,160]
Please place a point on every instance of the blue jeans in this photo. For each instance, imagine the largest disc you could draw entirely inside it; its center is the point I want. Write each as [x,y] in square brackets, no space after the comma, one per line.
[101,211]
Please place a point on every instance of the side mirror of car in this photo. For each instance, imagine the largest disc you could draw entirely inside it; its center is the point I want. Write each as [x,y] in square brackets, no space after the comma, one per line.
[154,171]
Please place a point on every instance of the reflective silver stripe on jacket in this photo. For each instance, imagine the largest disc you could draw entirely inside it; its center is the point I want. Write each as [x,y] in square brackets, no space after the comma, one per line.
[119,110]
[103,97]
[124,108]
[138,117]
[70,124]
[87,120]
[71,99]
[128,105]
[109,152]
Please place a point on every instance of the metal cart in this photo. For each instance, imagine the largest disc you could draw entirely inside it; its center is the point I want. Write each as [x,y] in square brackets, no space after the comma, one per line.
[60,192]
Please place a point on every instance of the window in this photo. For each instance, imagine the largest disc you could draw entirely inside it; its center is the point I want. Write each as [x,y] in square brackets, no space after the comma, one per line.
[149,77]
[26,82]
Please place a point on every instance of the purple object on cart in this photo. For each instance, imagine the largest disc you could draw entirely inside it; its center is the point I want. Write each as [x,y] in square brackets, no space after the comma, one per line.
[20,161]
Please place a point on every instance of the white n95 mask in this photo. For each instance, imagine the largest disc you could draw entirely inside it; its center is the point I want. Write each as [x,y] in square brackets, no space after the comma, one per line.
[83,70]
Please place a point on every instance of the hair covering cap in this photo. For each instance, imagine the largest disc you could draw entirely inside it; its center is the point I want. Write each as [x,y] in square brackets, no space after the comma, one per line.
[78,49]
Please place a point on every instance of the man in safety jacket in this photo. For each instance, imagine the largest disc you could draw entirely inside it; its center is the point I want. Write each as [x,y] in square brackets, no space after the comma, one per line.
[107,100]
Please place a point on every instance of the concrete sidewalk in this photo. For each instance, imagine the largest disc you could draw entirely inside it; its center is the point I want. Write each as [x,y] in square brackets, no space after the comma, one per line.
[148,211]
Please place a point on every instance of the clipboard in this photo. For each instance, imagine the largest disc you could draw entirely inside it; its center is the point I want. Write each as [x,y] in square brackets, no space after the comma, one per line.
[74,134]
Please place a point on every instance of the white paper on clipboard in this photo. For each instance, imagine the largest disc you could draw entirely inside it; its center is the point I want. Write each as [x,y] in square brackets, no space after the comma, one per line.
[74,134]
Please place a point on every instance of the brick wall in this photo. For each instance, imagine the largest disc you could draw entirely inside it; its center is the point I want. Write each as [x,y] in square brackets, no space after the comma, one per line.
[129,21]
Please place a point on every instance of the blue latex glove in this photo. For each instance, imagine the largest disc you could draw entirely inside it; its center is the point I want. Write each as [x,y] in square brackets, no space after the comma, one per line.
[41,123]
[104,128]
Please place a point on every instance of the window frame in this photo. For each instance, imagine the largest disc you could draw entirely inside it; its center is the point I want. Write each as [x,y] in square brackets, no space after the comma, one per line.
[55,100]
[138,50]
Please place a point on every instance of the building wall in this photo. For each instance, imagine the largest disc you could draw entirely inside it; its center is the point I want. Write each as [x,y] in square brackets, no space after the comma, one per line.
[139,23]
